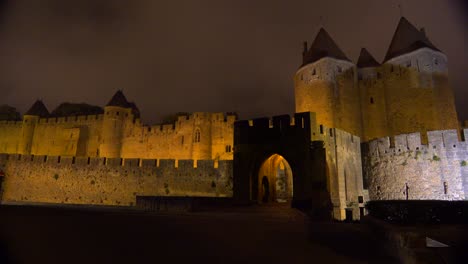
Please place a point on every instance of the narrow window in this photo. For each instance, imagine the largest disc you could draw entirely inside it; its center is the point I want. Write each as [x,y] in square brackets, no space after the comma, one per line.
[73,160]
[182,140]
[89,160]
[331,132]
[372,100]
[228,148]
[117,112]
[58,159]
[321,129]
[445,188]
[197,136]
[314,72]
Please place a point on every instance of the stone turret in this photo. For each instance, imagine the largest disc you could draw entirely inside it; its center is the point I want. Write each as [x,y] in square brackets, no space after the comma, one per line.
[325,84]
[116,112]
[370,82]
[416,82]
[30,120]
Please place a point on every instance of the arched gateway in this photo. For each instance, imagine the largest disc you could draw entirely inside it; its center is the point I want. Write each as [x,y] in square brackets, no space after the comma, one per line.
[275,180]
[276,161]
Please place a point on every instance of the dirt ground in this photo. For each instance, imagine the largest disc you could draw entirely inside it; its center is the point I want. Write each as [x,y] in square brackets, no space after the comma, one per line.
[256,234]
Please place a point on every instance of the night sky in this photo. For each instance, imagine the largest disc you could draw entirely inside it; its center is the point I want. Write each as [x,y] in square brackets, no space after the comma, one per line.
[208,55]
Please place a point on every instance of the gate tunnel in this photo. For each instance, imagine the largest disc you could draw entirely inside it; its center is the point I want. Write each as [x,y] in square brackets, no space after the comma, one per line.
[282,139]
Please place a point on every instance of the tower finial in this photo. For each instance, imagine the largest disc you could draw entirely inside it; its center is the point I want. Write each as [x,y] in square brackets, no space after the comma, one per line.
[321,21]
[400,7]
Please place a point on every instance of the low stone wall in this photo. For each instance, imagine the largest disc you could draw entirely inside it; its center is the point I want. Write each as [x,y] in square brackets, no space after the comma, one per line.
[402,168]
[100,181]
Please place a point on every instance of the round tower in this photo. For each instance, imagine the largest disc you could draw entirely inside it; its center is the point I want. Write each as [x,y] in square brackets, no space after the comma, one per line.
[418,95]
[30,120]
[325,85]
[115,114]
[373,110]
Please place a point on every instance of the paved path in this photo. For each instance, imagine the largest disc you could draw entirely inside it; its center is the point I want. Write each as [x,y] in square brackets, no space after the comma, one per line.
[262,234]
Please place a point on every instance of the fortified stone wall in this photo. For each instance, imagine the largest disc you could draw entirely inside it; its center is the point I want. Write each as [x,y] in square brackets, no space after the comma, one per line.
[195,136]
[401,167]
[101,181]
[344,170]
[198,136]
[10,132]
[68,136]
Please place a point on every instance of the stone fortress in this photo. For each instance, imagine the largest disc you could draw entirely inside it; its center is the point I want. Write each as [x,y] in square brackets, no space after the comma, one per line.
[361,132]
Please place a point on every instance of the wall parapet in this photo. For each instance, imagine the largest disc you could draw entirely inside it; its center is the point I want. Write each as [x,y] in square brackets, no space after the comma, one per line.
[437,140]
[117,162]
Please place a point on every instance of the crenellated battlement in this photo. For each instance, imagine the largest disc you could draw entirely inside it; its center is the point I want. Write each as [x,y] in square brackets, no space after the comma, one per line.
[11,123]
[437,141]
[116,162]
[71,119]
[281,121]
[170,128]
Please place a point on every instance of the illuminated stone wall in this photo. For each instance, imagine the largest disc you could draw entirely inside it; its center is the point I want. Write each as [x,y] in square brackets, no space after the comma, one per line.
[178,140]
[409,93]
[327,87]
[437,170]
[100,181]
[10,132]
[344,170]
[118,134]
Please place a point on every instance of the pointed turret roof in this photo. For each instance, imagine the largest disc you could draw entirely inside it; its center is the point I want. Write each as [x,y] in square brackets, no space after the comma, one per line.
[323,46]
[118,99]
[366,59]
[38,109]
[407,38]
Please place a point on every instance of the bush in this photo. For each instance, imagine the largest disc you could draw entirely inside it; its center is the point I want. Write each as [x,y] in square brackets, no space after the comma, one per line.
[419,211]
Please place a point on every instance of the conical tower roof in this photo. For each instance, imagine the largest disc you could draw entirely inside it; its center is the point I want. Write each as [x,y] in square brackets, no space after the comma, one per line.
[323,46]
[407,38]
[118,99]
[366,60]
[38,109]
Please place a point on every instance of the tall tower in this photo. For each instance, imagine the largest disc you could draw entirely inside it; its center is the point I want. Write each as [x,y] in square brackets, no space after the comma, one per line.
[116,112]
[370,82]
[418,95]
[30,119]
[325,84]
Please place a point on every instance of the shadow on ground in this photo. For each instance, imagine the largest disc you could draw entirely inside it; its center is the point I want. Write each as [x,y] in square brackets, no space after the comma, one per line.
[238,235]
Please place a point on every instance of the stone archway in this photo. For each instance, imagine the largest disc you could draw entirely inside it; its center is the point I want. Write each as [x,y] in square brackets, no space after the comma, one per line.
[275,180]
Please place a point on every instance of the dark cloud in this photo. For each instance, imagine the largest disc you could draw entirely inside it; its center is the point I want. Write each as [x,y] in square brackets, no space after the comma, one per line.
[198,55]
